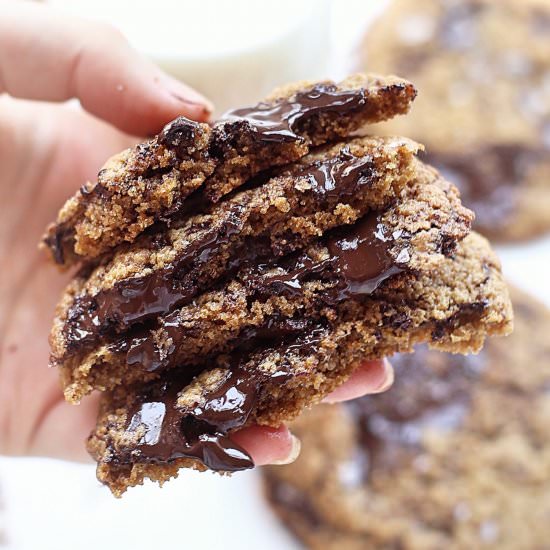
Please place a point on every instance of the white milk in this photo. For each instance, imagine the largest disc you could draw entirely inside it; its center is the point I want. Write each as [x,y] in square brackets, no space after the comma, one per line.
[233,51]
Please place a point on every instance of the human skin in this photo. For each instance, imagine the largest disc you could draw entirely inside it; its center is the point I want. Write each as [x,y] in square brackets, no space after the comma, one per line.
[48,148]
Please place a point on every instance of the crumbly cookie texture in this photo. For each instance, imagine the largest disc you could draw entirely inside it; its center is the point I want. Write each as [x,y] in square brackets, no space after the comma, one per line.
[453,456]
[330,187]
[151,182]
[453,307]
[482,69]
[419,230]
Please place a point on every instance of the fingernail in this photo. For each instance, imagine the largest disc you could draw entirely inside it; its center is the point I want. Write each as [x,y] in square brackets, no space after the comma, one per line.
[187,95]
[387,381]
[293,453]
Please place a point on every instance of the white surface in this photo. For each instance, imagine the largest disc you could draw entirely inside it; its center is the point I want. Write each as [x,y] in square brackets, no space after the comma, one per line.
[59,506]
[528,266]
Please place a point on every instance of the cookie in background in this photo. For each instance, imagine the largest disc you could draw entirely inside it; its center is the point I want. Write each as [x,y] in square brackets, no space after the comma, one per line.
[482,68]
[454,455]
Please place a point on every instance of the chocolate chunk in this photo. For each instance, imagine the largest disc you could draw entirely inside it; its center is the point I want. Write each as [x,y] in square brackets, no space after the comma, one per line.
[168,431]
[282,120]
[179,134]
[363,256]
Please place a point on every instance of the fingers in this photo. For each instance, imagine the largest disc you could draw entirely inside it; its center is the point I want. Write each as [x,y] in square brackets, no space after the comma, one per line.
[265,445]
[268,445]
[63,429]
[371,377]
[278,446]
[46,55]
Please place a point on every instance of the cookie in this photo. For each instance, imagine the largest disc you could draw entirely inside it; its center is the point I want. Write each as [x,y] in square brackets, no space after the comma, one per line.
[151,182]
[246,305]
[164,270]
[482,69]
[424,225]
[454,455]
[186,418]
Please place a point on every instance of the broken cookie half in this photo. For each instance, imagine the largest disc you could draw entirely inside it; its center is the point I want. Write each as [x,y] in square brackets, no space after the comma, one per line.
[252,304]
[151,182]
[185,418]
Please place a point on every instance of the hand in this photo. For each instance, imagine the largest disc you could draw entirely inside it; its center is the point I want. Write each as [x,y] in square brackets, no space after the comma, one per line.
[47,151]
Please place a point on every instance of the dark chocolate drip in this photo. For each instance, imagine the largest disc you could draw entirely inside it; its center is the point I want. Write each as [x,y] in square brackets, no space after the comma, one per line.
[359,261]
[488,179]
[341,176]
[281,121]
[363,256]
[168,432]
[431,391]
[138,299]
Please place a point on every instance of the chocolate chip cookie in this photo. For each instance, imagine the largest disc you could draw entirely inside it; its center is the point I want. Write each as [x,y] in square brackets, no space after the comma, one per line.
[166,269]
[248,305]
[185,419]
[423,226]
[151,181]
[482,68]
[454,455]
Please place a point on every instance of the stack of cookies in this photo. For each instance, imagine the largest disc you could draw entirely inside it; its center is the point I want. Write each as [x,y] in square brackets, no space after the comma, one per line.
[235,273]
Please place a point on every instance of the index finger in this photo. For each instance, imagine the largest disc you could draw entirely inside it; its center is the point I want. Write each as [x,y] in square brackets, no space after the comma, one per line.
[47,55]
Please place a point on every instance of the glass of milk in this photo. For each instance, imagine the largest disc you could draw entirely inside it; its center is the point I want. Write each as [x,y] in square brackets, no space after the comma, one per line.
[232,51]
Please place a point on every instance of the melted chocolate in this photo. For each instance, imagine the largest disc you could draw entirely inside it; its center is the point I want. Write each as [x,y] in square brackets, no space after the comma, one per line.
[359,261]
[282,121]
[488,179]
[139,299]
[363,256]
[199,432]
[340,177]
